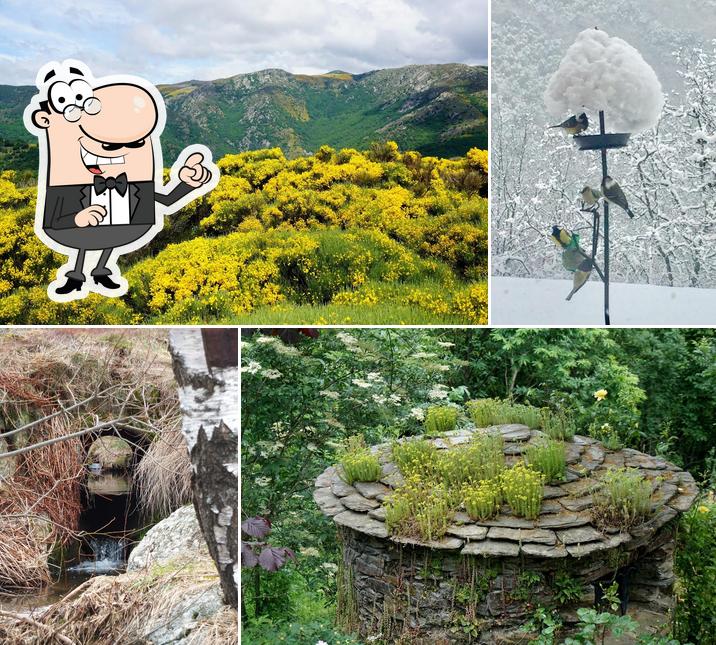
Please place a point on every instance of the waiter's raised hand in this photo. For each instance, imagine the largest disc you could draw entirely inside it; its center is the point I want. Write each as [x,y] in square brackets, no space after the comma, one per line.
[90,216]
[193,172]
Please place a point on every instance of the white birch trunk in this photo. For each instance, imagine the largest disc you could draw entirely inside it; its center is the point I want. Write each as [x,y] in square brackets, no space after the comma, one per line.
[206,369]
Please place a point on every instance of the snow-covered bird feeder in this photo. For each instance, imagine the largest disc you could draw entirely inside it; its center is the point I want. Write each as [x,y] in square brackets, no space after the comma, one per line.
[605,75]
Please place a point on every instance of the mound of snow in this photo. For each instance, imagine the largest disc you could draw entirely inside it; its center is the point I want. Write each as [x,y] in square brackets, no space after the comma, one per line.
[528,301]
[603,73]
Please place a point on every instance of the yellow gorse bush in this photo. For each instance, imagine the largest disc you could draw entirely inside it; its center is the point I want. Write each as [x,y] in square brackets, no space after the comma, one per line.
[340,228]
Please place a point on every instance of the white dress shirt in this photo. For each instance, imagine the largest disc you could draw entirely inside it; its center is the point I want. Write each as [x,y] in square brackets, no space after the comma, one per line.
[116,205]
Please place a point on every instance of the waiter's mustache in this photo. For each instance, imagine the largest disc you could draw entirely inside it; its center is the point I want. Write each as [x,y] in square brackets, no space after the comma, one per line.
[116,146]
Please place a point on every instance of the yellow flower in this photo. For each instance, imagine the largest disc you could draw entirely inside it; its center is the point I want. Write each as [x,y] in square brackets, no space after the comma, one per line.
[703,509]
[600,395]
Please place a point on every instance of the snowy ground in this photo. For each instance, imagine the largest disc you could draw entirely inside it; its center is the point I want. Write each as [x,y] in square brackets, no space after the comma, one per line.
[524,301]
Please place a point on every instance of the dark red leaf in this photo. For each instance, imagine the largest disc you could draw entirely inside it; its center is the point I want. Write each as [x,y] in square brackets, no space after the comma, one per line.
[249,559]
[272,558]
[258,527]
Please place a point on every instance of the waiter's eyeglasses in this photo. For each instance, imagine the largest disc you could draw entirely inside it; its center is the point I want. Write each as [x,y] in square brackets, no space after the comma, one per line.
[71,99]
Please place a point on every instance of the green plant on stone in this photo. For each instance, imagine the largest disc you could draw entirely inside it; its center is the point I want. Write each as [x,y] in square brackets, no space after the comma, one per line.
[549,457]
[480,459]
[440,419]
[623,500]
[523,489]
[566,588]
[490,412]
[346,599]
[608,435]
[482,500]
[357,463]
[415,457]
[434,516]
[546,623]
[483,412]
[611,595]
[527,581]
[468,626]
[557,425]
[419,508]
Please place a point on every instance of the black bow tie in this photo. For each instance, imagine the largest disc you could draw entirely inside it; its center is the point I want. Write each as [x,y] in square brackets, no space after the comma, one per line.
[119,184]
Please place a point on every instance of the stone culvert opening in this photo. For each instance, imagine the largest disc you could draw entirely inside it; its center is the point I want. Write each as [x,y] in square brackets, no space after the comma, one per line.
[481,582]
[110,519]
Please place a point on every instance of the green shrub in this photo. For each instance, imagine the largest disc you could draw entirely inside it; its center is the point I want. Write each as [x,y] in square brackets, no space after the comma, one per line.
[481,459]
[482,501]
[624,499]
[265,631]
[558,425]
[419,509]
[490,412]
[415,457]
[440,419]
[523,489]
[357,463]
[695,618]
[549,457]
[566,588]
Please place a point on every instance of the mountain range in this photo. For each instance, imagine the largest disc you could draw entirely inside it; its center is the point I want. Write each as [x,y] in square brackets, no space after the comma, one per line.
[435,109]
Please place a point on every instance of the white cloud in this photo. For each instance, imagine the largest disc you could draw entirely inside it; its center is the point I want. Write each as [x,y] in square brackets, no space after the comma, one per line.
[173,40]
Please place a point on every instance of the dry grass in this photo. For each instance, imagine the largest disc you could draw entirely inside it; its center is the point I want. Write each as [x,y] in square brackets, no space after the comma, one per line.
[120,609]
[163,476]
[221,629]
[23,555]
[44,372]
[39,506]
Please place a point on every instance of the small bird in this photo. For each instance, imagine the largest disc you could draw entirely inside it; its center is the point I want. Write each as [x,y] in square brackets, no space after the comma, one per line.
[590,196]
[561,236]
[574,124]
[574,258]
[581,275]
[615,195]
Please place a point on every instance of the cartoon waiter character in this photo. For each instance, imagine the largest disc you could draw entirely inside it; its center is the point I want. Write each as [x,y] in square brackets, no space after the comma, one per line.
[100,191]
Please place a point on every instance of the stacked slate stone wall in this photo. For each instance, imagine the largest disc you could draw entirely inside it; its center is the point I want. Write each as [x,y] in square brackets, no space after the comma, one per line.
[482,581]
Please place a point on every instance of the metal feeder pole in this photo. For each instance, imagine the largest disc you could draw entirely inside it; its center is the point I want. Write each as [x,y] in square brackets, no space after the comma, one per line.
[605,173]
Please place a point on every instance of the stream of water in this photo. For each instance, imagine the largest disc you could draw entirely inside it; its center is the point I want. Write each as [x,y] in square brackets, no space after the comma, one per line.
[107,557]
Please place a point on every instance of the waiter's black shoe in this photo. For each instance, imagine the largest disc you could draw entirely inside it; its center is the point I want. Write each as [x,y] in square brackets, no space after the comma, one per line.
[69,286]
[105,281]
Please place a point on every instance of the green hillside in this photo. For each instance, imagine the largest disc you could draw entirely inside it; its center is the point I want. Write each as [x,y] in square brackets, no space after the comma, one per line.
[435,109]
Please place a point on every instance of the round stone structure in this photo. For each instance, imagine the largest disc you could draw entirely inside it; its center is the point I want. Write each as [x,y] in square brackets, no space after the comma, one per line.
[483,580]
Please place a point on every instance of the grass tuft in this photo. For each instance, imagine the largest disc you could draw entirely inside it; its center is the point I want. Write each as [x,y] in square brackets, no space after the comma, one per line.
[548,457]
[491,412]
[623,501]
[357,463]
[558,425]
[440,419]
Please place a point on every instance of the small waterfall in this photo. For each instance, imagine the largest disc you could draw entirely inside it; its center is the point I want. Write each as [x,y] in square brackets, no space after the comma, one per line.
[107,556]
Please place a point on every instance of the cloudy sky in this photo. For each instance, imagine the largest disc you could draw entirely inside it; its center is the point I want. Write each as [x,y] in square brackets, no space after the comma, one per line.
[174,40]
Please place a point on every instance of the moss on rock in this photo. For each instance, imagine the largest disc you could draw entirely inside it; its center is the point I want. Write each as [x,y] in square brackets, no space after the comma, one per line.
[111,453]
